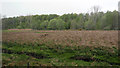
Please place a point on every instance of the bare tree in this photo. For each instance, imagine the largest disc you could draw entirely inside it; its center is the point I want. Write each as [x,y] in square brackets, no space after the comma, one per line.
[119,6]
[0,21]
[94,14]
[119,15]
[95,9]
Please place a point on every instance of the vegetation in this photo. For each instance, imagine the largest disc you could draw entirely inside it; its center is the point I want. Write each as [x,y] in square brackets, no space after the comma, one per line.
[48,48]
[66,40]
[44,55]
[93,21]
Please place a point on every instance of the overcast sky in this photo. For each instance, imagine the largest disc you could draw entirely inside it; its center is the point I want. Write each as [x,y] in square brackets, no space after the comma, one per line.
[12,8]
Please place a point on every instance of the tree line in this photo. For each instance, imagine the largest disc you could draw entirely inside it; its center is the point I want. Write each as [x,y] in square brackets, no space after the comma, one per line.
[87,21]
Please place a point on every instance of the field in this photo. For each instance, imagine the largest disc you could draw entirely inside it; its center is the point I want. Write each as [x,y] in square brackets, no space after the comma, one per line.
[60,48]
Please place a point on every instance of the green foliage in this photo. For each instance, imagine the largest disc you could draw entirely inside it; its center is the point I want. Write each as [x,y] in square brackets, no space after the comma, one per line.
[44,25]
[92,21]
[19,27]
[58,55]
[52,24]
[58,24]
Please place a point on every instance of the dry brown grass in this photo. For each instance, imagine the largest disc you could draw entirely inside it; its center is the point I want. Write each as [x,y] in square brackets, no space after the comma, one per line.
[66,37]
[19,29]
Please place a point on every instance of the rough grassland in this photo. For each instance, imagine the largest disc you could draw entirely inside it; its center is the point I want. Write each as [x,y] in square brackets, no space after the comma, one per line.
[60,48]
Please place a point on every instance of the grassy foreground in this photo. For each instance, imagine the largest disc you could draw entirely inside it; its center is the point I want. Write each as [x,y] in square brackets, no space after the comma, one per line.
[42,55]
[46,54]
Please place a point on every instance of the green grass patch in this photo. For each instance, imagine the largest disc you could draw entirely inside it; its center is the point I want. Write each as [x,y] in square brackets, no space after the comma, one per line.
[43,55]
